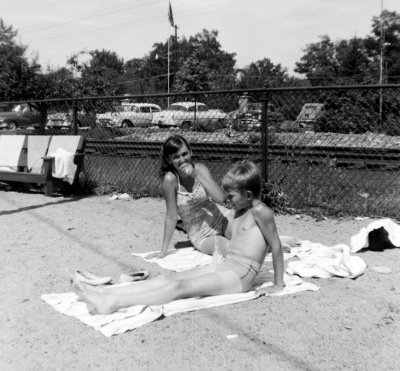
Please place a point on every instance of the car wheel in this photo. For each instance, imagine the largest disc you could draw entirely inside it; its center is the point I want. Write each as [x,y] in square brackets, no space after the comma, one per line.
[126,124]
[186,125]
[12,125]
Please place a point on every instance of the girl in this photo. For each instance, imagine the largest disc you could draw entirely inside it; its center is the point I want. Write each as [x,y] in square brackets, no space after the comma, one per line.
[190,192]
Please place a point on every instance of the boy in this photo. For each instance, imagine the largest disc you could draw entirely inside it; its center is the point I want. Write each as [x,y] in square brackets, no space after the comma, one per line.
[251,229]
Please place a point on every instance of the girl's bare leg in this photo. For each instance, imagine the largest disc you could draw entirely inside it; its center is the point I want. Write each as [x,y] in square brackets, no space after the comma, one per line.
[210,283]
[208,245]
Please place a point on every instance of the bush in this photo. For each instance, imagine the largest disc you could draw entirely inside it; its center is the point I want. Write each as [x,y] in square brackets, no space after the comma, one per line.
[273,197]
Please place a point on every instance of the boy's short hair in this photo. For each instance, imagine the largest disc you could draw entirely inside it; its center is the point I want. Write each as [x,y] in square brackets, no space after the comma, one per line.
[243,176]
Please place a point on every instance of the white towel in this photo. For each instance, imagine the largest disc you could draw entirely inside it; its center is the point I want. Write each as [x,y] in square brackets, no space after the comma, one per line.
[138,315]
[64,167]
[321,261]
[180,259]
[186,258]
[293,285]
[360,240]
[109,324]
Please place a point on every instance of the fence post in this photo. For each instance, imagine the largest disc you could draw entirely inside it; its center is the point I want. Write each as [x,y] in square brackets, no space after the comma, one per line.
[264,135]
[75,117]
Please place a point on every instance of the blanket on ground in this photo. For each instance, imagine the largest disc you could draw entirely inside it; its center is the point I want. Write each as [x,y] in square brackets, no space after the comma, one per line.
[314,260]
[139,315]
[321,261]
[186,258]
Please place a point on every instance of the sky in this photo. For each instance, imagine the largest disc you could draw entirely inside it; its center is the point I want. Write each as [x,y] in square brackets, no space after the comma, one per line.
[279,30]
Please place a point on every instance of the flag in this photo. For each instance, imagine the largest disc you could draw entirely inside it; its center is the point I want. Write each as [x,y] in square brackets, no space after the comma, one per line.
[170,15]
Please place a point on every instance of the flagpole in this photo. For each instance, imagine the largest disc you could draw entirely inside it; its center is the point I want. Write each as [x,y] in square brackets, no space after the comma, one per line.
[169,38]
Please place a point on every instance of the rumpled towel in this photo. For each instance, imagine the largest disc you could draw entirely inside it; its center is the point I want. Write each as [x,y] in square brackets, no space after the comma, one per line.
[321,261]
[64,166]
[361,241]
[180,259]
[138,315]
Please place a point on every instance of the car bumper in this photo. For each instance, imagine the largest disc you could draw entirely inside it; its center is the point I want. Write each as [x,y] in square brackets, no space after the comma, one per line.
[161,122]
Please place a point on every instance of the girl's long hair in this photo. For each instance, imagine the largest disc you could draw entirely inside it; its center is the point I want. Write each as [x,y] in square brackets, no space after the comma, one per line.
[171,146]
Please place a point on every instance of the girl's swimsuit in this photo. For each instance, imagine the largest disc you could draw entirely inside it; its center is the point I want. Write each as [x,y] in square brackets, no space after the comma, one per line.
[246,268]
[200,215]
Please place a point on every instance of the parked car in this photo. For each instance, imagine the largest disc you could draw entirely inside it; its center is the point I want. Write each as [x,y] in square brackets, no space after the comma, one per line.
[211,124]
[4,107]
[309,115]
[24,115]
[250,117]
[129,115]
[64,120]
[187,114]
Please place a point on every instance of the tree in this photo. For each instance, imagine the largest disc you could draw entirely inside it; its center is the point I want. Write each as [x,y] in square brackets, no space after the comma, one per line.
[150,74]
[100,72]
[352,61]
[385,35]
[319,62]
[17,73]
[261,73]
[216,67]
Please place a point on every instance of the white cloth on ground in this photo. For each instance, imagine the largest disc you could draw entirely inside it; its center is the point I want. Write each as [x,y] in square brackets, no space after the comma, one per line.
[138,315]
[360,240]
[64,166]
[321,261]
[186,258]
[109,324]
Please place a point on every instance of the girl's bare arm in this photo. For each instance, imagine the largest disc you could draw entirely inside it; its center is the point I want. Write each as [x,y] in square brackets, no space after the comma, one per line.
[210,185]
[169,188]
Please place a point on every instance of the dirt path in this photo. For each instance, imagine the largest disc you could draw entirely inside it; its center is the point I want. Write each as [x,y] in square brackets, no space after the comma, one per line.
[347,325]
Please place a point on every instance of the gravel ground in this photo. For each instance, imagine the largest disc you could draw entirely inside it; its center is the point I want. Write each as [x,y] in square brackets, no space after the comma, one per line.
[347,325]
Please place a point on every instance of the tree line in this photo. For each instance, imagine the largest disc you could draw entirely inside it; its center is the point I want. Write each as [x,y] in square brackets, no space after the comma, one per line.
[199,63]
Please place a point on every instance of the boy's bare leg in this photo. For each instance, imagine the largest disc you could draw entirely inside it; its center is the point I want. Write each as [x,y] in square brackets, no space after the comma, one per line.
[156,282]
[215,283]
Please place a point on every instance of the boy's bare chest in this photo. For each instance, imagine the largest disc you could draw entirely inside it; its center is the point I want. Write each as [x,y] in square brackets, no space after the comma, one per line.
[244,226]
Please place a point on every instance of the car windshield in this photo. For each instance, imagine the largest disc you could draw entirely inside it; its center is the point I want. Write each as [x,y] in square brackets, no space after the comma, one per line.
[255,106]
[18,108]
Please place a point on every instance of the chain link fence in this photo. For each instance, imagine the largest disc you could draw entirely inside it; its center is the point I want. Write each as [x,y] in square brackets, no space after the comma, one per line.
[335,150]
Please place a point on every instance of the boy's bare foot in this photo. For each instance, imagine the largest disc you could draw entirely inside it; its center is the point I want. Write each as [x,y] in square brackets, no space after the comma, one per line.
[97,301]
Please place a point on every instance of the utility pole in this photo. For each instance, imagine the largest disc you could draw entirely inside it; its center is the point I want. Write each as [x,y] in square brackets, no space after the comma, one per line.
[382,44]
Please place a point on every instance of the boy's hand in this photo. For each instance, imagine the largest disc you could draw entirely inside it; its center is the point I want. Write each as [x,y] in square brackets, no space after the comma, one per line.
[272,289]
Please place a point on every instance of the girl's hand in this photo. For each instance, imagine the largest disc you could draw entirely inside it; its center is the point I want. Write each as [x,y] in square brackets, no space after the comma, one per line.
[159,255]
[187,168]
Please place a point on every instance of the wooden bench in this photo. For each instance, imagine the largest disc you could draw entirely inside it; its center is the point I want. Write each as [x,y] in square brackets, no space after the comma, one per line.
[32,159]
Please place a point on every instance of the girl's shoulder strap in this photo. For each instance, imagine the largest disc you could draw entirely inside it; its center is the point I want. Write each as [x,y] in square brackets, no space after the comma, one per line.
[179,182]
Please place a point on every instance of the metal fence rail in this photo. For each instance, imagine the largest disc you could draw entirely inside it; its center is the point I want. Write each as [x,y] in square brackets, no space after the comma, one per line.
[332,149]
